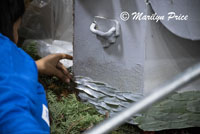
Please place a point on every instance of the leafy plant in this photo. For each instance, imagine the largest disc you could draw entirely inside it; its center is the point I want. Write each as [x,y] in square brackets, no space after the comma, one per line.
[70,116]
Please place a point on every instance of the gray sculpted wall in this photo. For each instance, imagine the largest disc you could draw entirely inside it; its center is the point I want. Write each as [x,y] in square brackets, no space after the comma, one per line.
[149,51]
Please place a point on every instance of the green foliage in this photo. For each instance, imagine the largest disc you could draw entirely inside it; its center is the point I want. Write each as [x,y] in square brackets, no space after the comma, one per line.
[68,115]
[180,110]
[31,49]
[127,129]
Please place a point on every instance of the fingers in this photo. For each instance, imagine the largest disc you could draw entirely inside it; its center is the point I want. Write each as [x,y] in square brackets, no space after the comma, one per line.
[66,56]
[64,69]
[51,66]
[58,73]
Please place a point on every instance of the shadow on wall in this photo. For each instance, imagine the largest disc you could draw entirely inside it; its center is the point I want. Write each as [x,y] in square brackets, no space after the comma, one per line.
[116,49]
[188,29]
[167,54]
[167,45]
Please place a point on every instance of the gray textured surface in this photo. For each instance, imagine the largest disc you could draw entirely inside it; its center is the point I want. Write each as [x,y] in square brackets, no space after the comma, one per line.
[105,98]
[145,55]
[189,29]
[120,65]
[167,55]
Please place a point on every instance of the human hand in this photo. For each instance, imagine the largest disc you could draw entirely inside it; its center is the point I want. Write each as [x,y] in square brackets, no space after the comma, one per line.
[50,65]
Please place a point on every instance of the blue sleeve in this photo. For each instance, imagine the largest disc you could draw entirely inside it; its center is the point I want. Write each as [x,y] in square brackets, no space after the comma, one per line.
[22,98]
[15,113]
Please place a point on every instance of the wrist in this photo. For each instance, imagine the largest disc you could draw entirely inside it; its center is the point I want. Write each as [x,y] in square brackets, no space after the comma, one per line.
[39,66]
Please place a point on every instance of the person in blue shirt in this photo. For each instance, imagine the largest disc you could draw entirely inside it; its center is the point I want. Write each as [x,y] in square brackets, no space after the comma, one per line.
[23,105]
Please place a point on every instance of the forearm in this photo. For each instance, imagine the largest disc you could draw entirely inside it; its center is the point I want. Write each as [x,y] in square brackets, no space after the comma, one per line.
[40,66]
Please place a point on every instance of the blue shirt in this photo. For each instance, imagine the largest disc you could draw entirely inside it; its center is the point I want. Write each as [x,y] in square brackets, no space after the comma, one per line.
[23,105]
